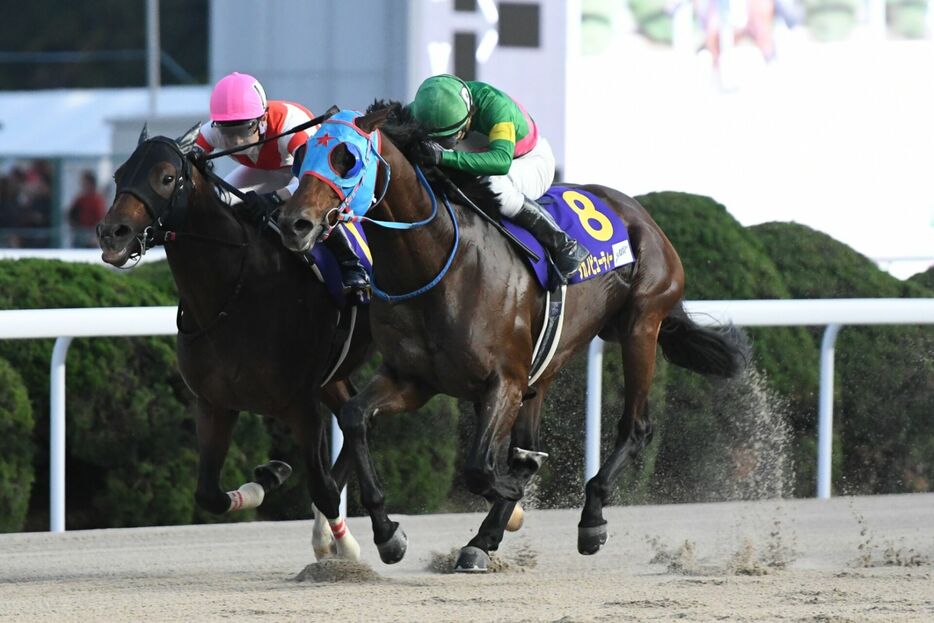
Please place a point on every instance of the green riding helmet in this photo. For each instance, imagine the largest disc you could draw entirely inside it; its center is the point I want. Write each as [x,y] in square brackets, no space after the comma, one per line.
[443,105]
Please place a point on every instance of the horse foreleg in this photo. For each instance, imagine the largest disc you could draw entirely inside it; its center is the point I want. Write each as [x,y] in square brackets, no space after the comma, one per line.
[525,460]
[634,430]
[335,395]
[322,540]
[214,430]
[486,470]
[384,394]
[330,536]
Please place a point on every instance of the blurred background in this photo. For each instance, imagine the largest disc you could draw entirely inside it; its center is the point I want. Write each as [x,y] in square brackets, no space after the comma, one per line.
[813,111]
[782,145]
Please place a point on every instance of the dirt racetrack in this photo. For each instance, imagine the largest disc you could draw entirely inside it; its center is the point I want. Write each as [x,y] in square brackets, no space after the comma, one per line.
[847,559]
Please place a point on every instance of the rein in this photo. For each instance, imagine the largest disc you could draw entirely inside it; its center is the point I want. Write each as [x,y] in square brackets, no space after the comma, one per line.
[396,298]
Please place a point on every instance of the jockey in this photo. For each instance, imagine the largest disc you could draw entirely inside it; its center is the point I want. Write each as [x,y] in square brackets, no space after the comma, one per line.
[518,160]
[240,114]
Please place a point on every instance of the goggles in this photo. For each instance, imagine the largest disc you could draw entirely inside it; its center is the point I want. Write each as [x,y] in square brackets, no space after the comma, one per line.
[237,129]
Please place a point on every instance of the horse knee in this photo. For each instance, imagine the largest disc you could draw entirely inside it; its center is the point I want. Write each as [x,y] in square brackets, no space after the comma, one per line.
[478,479]
[352,420]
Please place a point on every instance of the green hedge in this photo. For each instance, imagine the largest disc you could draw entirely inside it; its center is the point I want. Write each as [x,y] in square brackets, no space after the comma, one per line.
[131,450]
[16,449]
[885,375]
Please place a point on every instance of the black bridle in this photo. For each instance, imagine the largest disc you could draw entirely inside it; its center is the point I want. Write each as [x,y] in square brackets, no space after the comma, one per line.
[168,213]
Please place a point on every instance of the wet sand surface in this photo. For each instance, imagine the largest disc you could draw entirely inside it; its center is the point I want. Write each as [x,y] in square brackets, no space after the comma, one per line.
[846,559]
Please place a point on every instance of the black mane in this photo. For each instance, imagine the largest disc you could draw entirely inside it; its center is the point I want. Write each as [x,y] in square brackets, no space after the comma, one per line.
[406,133]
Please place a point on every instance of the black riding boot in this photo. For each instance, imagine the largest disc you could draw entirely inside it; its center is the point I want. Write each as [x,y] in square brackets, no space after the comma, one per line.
[565,251]
[352,272]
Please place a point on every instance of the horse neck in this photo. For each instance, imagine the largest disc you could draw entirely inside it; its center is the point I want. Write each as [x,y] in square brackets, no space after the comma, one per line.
[404,260]
[207,272]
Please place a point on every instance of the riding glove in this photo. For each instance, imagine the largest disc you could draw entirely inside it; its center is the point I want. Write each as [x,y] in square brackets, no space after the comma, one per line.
[429,153]
[259,207]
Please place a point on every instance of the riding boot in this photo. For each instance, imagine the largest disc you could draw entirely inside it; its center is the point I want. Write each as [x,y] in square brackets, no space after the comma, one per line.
[353,274]
[566,253]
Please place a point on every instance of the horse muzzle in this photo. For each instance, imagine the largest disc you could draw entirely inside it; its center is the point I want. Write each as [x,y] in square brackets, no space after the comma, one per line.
[117,243]
[298,233]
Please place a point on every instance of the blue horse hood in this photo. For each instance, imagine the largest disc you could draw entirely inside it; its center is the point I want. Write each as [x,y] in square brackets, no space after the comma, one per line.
[357,188]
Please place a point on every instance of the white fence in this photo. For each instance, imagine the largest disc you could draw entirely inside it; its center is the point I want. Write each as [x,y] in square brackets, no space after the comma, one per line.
[834,313]
[65,324]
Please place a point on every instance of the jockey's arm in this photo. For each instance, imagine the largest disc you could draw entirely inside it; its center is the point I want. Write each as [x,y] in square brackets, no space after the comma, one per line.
[496,160]
[289,189]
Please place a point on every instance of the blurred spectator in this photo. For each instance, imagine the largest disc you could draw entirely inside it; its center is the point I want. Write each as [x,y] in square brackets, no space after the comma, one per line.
[26,206]
[86,211]
[748,18]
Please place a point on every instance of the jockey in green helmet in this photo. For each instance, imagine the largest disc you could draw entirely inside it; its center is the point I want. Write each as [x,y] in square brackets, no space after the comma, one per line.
[518,161]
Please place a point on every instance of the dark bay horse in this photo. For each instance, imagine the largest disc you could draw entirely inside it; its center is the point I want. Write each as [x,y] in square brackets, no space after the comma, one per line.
[257,330]
[472,335]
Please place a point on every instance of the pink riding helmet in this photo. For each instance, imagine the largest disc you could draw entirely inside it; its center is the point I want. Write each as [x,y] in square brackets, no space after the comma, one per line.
[237,97]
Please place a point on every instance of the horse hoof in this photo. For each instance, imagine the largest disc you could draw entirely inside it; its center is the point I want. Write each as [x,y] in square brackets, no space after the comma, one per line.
[590,540]
[271,475]
[393,550]
[472,560]
[516,519]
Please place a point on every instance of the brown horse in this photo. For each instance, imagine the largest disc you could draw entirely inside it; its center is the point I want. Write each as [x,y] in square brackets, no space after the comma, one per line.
[257,330]
[472,335]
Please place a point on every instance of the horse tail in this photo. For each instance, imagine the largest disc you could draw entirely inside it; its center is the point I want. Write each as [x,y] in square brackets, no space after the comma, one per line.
[719,351]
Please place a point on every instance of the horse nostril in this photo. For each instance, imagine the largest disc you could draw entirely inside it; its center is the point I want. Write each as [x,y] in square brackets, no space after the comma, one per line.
[123,231]
[302,226]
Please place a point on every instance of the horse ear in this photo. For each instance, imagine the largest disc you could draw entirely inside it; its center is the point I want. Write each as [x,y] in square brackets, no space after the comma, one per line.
[372,121]
[144,134]
[187,140]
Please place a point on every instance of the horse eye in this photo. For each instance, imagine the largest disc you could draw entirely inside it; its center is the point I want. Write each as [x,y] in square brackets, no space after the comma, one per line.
[168,179]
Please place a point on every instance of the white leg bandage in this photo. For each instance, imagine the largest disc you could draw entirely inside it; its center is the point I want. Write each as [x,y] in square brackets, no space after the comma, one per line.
[249,495]
[346,544]
[322,542]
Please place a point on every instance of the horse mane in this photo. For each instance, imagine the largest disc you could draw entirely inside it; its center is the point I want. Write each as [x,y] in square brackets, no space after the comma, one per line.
[405,132]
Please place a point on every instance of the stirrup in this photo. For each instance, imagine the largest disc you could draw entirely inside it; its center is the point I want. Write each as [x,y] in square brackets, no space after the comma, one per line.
[355,283]
[569,263]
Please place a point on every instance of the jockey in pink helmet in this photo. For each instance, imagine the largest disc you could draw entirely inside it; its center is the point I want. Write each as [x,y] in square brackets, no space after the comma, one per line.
[241,114]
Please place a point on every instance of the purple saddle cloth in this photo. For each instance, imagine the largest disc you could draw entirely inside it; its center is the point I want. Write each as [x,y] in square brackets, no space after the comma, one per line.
[586,218]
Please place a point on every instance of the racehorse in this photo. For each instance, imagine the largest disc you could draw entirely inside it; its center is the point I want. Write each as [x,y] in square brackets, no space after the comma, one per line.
[256,330]
[470,330]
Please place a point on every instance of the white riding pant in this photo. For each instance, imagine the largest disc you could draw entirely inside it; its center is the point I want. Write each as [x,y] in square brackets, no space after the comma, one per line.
[262,181]
[529,176]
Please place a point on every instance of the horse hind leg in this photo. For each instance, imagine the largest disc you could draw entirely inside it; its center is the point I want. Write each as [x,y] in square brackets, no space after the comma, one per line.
[634,428]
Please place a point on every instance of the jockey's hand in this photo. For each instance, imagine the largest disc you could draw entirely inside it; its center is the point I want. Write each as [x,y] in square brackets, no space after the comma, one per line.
[429,153]
[197,155]
[259,207]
